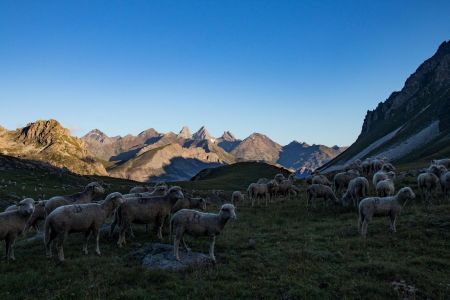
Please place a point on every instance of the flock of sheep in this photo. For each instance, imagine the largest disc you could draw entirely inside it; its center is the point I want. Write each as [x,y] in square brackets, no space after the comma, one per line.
[77,213]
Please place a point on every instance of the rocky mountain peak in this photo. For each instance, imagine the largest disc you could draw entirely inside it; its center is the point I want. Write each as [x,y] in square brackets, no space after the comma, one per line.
[202,134]
[185,133]
[228,136]
[96,135]
[42,132]
[148,133]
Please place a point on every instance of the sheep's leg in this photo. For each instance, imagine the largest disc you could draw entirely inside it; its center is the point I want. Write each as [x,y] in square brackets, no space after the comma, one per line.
[87,235]
[364,228]
[393,218]
[11,251]
[176,245]
[60,246]
[211,248]
[49,244]
[97,242]
[7,248]
[185,245]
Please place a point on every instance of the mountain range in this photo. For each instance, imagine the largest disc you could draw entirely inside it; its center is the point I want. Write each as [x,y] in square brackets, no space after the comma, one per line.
[169,156]
[412,126]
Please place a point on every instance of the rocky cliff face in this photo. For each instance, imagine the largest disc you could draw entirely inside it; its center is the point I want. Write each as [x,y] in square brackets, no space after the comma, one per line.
[49,141]
[405,127]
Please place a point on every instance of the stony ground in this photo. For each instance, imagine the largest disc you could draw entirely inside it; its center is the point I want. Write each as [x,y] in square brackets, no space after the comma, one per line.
[281,251]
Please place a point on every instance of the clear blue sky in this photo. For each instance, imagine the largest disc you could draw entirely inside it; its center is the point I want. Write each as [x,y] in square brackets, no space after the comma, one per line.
[304,70]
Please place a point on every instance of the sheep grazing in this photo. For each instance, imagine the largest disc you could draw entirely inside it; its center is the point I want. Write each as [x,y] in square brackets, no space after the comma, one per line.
[341,180]
[286,187]
[38,215]
[442,162]
[358,188]
[388,167]
[321,179]
[236,197]
[13,223]
[385,188]
[382,175]
[86,218]
[427,183]
[366,167]
[315,191]
[147,210]
[91,191]
[383,206]
[256,191]
[272,189]
[195,223]
[189,203]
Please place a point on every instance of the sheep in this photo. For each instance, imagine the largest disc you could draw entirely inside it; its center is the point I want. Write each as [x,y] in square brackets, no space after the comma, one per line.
[385,188]
[315,191]
[376,165]
[13,223]
[388,167]
[262,180]
[443,162]
[383,206]
[286,186]
[189,203]
[91,191]
[321,179]
[195,223]
[279,178]
[358,188]
[382,175]
[366,167]
[255,191]
[147,210]
[341,180]
[158,191]
[38,215]
[427,183]
[437,170]
[445,184]
[141,189]
[308,180]
[86,218]
[237,196]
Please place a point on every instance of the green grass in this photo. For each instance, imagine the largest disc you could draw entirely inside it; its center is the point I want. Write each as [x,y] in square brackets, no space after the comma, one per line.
[298,254]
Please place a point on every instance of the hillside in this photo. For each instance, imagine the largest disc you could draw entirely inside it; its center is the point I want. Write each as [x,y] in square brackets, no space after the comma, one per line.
[48,141]
[235,176]
[413,124]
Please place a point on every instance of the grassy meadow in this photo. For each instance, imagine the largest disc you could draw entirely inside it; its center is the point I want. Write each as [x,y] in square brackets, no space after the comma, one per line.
[278,252]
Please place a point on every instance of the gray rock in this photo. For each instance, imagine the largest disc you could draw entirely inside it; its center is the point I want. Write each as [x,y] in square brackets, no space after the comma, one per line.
[160,257]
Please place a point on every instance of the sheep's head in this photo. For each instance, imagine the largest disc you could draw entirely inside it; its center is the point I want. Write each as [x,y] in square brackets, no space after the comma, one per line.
[437,170]
[95,188]
[391,175]
[279,178]
[388,167]
[26,207]
[406,193]
[116,198]
[346,199]
[199,203]
[175,193]
[228,211]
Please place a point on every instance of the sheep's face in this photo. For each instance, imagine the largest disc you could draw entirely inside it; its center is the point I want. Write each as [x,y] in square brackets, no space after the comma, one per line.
[176,193]
[228,211]
[407,193]
[391,175]
[26,207]
[96,188]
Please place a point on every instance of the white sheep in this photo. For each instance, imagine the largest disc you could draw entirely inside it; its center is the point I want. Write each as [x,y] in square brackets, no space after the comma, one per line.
[13,223]
[358,188]
[86,218]
[383,206]
[443,162]
[385,188]
[236,197]
[321,179]
[195,223]
[382,175]
[315,191]
[91,191]
[445,184]
[427,183]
